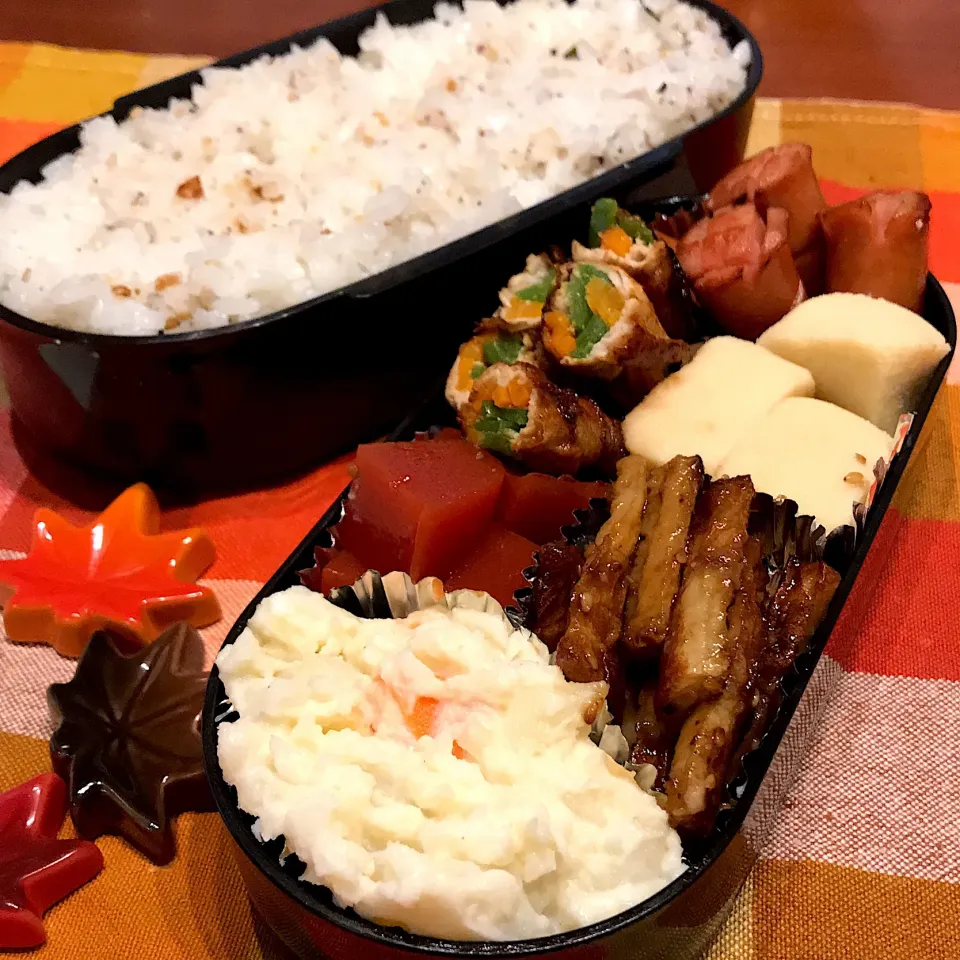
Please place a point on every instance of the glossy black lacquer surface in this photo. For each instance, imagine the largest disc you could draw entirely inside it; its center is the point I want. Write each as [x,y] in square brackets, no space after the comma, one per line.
[229,409]
[680,921]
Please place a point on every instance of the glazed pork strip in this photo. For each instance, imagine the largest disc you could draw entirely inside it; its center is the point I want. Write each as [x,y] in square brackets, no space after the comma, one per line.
[649,739]
[655,576]
[700,768]
[796,610]
[558,569]
[794,613]
[698,647]
[599,596]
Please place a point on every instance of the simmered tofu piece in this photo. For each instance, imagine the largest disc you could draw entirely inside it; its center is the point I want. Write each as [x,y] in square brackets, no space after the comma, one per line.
[813,452]
[707,406]
[869,356]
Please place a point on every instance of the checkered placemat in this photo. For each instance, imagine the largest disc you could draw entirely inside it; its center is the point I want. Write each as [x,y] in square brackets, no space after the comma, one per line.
[865,860]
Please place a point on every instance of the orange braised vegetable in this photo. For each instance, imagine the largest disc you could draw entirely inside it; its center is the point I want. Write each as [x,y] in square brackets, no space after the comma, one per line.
[605,300]
[471,355]
[513,393]
[558,338]
[520,309]
[616,240]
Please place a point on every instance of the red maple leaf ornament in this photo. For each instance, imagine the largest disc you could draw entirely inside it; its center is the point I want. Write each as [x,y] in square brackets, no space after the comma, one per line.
[118,571]
[37,869]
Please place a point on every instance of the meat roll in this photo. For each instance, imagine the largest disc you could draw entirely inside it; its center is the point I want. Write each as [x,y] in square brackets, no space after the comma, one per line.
[516,411]
[523,298]
[741,268]
[878,245]
[594,319]
[653,360]
[491,346]
[783,177]
[622,239]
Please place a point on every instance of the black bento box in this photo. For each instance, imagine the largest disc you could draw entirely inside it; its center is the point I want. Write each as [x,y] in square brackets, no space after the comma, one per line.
[227,409]
[680,921]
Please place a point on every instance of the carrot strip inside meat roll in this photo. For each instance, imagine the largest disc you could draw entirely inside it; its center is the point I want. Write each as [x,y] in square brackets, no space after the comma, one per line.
[742,269]
[878,245]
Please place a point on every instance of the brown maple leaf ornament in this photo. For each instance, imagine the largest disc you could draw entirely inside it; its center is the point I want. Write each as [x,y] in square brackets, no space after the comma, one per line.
[128,739]
[119,571]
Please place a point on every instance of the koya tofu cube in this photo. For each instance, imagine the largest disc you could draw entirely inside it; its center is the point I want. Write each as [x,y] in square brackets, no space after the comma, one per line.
[869,356]
[708,405]
[813,452]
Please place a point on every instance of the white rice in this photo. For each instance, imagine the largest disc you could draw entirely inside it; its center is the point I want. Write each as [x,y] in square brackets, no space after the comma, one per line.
[318,170]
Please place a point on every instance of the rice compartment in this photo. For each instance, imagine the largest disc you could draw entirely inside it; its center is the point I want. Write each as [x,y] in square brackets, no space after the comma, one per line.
[294,176]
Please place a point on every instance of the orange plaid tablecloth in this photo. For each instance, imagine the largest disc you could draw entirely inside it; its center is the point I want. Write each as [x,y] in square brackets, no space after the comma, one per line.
[865,860]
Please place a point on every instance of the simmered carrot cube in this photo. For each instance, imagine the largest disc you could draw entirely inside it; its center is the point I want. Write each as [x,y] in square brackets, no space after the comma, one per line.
[419,506]
[536,505]
[495,566]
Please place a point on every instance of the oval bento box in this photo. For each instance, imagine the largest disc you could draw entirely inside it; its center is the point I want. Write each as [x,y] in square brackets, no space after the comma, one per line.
[679,922]
[211,411]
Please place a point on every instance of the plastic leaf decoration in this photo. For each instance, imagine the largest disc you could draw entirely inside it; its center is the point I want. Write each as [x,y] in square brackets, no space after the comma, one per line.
[128,739]
[118,571]
[37,869]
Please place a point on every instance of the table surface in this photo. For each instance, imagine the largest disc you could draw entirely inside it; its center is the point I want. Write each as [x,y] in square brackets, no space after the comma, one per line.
[864,861]
[895,50]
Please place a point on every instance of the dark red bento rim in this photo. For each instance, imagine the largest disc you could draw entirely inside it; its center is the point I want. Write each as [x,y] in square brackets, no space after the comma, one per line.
[756,764]
[27,165]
